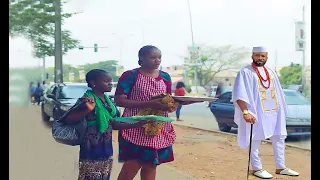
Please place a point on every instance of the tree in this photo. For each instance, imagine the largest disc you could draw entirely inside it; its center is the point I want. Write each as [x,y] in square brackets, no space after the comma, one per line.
[109,66]
[31,74]
[35,20]
[290,74]
[217,59]
[34,74]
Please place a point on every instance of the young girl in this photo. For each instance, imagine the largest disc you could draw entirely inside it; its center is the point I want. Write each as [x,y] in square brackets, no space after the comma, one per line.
[180,91]
[134,91]
[95,159]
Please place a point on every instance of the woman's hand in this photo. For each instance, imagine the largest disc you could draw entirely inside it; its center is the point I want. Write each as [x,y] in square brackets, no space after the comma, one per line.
[156,104]
[90,104]
[142,123]
[80,111]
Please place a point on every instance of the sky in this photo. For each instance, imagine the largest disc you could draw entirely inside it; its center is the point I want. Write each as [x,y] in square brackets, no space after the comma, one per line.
[124,26]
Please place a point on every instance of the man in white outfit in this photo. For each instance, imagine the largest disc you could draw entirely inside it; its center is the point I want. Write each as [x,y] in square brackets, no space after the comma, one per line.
[259,100]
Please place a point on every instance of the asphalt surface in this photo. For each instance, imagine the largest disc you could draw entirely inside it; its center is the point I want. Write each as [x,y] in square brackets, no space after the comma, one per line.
[34,155]
[199,115]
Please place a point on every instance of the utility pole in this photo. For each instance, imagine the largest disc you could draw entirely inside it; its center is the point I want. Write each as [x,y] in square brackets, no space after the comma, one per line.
[275,61]
[191,27]
[303,77]
[193,44]
[58,65]
[44,69]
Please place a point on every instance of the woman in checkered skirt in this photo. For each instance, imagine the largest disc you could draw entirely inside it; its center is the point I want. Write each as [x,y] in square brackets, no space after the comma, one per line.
[134,91]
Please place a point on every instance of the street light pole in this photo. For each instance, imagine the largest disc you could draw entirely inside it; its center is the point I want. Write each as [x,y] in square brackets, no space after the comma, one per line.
[121,45]
[143,38]
[191,27]
[303,77]
[193,44]
[43,68]
[142,30]
[58,44]
[275,61]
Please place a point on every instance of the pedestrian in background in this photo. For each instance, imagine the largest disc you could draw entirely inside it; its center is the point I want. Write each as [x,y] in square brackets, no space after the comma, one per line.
[219,89]
[38,93]
[44,86]
[32,90]
[180,91]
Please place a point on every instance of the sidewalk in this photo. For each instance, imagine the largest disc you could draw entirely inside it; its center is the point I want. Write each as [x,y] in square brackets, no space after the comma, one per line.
[204,155]
[164,172]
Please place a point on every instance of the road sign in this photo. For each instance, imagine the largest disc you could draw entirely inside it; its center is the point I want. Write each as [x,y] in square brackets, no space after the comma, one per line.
[119,70]
[82,75]
[300,36]
[194,55]
[71,76]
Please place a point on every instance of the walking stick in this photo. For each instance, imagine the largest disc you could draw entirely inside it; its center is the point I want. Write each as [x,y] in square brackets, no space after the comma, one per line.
[249,151]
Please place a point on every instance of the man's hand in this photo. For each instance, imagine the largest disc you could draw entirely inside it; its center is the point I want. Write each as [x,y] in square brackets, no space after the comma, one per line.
[249,118]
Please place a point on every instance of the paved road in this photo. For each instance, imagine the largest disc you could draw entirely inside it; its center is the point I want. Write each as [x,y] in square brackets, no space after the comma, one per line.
[199,115]
[34,155]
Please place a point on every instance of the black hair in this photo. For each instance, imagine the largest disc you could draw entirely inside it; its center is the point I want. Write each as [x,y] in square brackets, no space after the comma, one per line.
[144,51]
[180,85]
[93,75]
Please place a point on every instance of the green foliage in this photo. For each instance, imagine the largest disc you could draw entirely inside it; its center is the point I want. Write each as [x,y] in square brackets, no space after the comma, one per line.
[34,74]
[31,74]
[109,66]
[217,59]
[188,88]
[290,74]
[35,20]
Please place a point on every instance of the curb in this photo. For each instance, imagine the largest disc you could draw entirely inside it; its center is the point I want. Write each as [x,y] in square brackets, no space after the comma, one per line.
[231,134]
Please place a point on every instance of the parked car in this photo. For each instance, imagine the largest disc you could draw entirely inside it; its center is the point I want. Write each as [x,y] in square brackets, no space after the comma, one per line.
[61,97]
[222,90]
[295,87]
[298,120]
[201,90]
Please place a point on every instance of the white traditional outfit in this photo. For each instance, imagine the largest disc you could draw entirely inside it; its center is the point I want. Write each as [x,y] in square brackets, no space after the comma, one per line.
[269,108]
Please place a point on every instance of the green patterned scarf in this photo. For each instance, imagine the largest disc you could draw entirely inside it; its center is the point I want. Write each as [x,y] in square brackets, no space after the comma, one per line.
[102,114]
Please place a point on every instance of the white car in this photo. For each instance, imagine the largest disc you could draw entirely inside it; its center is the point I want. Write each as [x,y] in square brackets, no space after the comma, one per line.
[201,90]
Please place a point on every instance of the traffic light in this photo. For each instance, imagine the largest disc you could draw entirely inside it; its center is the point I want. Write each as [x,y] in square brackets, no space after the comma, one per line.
[81,47]
[47,75]
[95,46]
